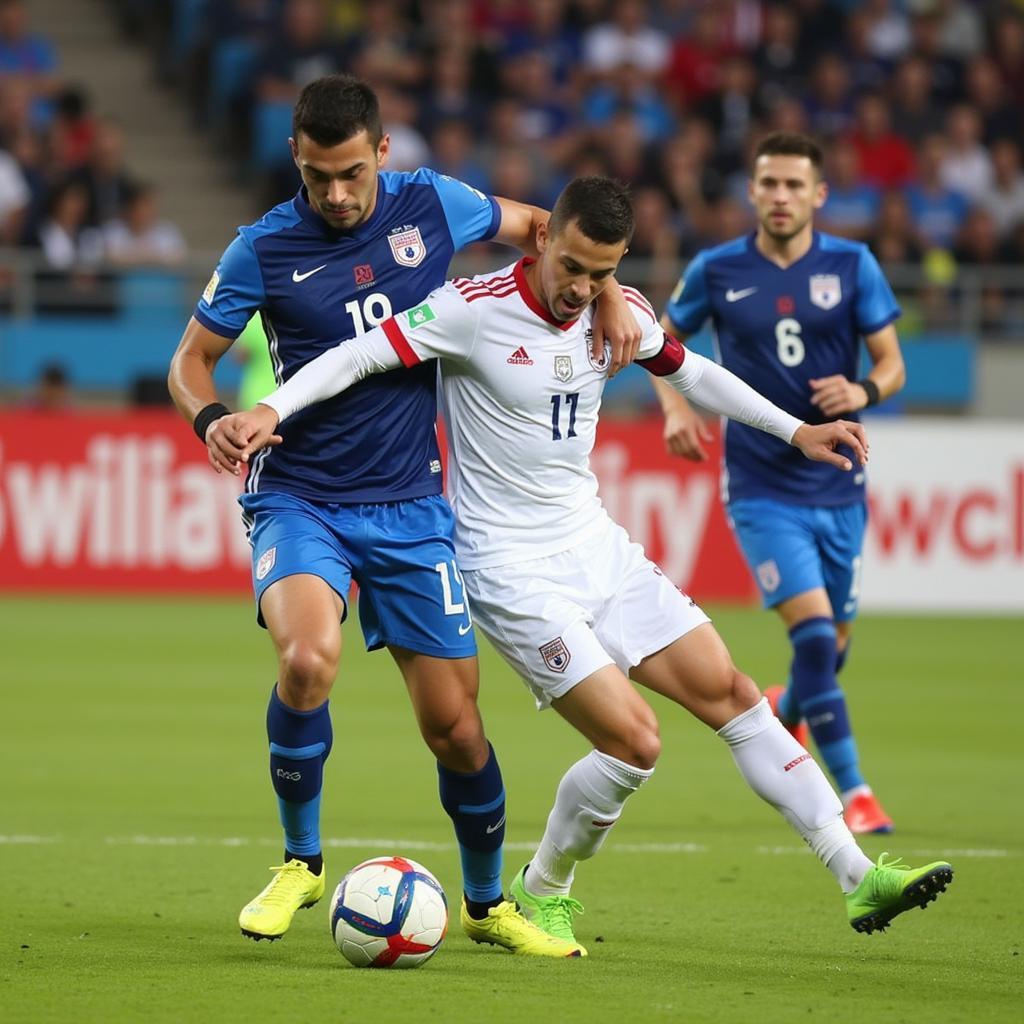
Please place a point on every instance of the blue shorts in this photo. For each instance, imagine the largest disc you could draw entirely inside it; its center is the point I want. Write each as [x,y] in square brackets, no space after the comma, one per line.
[400,553]
[795,548]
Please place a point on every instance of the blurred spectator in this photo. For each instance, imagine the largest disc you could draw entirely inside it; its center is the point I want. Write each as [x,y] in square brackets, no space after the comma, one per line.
[450,94]
[72,129]
[409,149]
[966,166]
[1004,198]
[893,240]
[15,197]
[628,89]
[106,181]
[867,72]
[544,119]
[986,91]
[139,238]
[300,52]
[1008,50]
[946,68]
[451,153]
[853,204]
[627,38]
[938,211]
[888,34]
[621,139]
[822,28]
[778,57]
[787,115]
[383,52]
[24,54]
[829,101]
[733,111]
[546,33]
[65,237]
[27,151]
[53,392]
[513,177]
[692,71]
[885,159]
[914,113]
[979,245]
[961,30]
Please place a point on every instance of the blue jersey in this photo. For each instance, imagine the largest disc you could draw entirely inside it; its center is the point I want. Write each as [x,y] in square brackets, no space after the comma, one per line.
[317,287]
[776,329]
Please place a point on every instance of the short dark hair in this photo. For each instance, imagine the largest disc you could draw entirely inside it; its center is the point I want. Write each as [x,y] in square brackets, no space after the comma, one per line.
[790,144]
[334,108]
[601,208]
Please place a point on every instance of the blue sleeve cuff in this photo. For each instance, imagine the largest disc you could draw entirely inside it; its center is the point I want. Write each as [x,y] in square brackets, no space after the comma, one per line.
[218,328]
[495,220]
[895,315]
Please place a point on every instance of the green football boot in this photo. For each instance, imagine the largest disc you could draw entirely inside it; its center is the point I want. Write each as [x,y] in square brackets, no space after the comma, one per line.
[891,887]
[552,914]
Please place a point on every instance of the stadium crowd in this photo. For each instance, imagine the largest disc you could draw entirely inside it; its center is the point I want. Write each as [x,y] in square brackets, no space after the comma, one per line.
[916,100]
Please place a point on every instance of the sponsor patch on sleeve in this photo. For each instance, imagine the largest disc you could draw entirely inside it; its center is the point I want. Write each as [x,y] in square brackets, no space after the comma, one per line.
[420,315]
[211,288]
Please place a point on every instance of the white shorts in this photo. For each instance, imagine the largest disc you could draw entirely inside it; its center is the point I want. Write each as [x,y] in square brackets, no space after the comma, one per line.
[557,620]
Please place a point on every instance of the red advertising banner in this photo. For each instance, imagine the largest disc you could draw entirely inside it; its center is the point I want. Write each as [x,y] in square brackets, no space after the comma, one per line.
[127,501]
[115,502]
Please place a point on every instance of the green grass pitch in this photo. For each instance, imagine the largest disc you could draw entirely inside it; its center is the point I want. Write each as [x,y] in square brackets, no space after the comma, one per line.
[136,818]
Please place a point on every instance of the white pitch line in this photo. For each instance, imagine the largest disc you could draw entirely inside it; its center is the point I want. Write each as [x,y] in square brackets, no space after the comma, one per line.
[355,843]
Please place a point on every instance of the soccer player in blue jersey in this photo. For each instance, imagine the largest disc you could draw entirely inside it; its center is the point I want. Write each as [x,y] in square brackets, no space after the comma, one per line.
[356,495]
[789,306]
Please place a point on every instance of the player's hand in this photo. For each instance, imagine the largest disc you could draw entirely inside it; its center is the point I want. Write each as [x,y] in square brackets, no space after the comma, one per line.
[686,433]
[820,442]
[616,325]
[836,396]
[231,439]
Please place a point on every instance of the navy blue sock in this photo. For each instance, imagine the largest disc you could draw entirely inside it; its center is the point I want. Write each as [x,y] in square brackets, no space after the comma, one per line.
[475,802]
[817,694]
[299,744]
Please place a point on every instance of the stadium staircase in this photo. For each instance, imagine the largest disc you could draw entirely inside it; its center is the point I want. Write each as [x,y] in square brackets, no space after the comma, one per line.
[195,190]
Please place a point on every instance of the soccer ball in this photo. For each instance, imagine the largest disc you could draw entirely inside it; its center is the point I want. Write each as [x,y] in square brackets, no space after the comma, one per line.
[389,912]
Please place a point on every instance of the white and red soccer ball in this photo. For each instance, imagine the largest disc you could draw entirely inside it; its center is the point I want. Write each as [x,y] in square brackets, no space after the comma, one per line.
[389,912]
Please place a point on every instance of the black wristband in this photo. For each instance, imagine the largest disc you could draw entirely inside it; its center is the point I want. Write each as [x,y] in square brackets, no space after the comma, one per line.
[206,416]
[871,390]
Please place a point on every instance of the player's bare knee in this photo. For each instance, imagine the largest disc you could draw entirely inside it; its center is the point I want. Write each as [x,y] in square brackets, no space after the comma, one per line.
[745,692]
[638,744]
[307,669]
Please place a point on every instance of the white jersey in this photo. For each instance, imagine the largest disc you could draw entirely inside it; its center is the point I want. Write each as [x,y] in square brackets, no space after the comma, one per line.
[520,395]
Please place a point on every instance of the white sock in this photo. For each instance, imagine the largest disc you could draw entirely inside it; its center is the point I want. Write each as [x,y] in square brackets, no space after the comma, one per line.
[782,773]
[588,802]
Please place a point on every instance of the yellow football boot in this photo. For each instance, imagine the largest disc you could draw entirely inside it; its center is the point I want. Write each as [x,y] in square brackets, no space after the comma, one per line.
[505,926]
[293,887]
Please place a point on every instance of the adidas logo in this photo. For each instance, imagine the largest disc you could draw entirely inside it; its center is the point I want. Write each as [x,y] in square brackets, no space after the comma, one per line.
[520,358]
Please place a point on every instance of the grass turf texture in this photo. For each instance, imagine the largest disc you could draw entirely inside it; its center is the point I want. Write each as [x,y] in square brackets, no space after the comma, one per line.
[134,752]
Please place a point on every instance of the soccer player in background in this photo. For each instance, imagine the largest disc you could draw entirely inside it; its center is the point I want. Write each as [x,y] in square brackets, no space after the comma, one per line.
[557,587]
[356,494]
[789,306]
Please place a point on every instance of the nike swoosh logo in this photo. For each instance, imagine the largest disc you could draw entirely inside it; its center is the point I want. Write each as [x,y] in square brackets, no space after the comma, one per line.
[495,827]
[463,630]
[734,296]
[297,277]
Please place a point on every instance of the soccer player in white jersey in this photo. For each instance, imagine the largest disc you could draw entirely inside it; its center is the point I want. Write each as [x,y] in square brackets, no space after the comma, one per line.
[556,586]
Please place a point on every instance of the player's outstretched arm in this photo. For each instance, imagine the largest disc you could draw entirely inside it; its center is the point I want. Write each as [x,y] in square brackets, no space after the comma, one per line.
[190,382]
[685,431]
[718,390]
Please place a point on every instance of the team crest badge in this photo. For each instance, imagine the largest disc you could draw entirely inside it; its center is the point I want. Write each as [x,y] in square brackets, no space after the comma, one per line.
[600,364]
[768,576]
[563,368]
[266,563]
[556,655]
[826,292]
[407,246]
